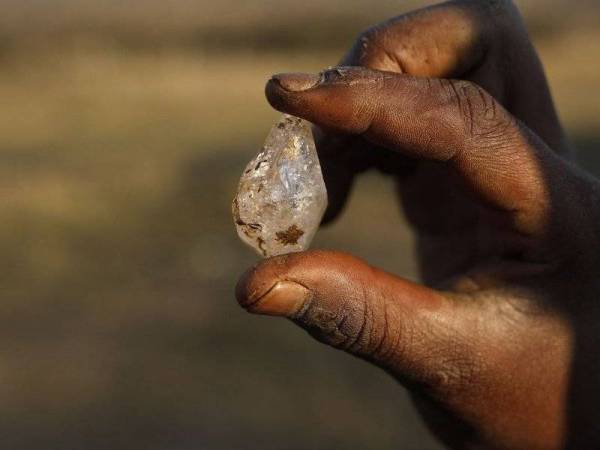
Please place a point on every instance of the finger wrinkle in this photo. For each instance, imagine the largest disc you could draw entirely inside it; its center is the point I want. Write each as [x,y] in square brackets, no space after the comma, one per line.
[377,351]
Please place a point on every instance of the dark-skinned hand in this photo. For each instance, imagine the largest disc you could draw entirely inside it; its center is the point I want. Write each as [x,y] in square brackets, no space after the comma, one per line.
[500,346]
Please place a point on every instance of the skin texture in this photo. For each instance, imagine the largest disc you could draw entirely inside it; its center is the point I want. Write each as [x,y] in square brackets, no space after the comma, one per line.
[499,347]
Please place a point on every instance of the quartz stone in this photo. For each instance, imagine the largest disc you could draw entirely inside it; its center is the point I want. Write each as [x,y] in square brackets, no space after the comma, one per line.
[281,197]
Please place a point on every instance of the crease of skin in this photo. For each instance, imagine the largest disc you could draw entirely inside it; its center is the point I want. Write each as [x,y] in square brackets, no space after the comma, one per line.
[531,215]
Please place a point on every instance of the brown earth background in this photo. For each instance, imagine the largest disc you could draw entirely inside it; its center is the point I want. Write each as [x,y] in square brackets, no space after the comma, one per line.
[124,126]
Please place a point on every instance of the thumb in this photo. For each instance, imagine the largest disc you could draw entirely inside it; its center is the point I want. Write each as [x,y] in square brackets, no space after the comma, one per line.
[405,328]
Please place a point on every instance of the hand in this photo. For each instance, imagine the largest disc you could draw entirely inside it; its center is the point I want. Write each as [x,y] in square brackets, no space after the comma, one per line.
[500,346]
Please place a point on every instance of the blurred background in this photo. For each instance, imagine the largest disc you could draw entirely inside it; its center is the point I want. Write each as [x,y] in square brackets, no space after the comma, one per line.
[124,126]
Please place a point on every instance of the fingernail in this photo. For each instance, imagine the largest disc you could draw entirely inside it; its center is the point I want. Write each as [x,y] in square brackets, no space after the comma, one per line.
[296,82]
[285,298]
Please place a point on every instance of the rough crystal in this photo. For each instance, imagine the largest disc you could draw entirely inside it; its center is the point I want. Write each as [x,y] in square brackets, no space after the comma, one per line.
[281,197]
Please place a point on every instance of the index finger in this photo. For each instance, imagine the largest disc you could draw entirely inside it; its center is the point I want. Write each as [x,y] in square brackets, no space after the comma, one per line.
[450,121]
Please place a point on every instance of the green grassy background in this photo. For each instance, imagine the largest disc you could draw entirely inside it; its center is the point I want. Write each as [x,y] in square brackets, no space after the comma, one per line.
[124,127]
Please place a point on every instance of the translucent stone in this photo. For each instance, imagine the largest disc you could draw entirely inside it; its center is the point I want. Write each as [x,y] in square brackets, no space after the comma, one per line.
[281,197]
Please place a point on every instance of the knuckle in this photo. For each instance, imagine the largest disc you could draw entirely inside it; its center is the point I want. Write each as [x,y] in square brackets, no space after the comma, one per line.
[358,333]
[376,336]
[392,341]
[360,327]
[357,325]
[345,326]
[476,114]
[321,323]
